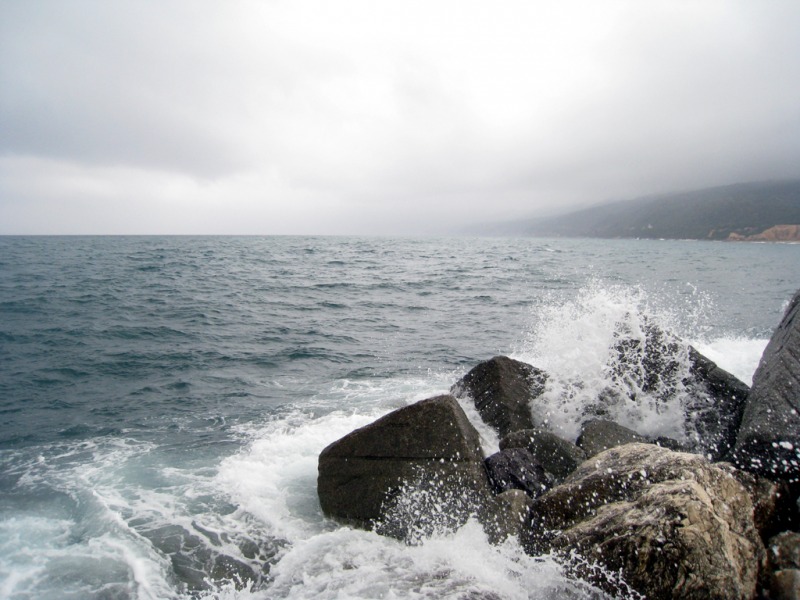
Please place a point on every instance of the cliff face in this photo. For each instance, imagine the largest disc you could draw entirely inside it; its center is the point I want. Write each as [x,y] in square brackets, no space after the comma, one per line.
[778,233]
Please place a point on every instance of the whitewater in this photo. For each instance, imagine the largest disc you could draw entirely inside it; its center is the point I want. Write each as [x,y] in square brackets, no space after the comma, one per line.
[163,400]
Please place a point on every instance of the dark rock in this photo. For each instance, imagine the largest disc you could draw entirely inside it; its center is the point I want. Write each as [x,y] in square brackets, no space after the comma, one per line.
[783,551]
[715,406]
[517,469]
[558,457]
[783,559]
[769,437]
[649,364]
[502,389]
[598,435]
[657,364]
[773,503]
[669,444]
[785,585]
[672,524]
[506,515]
[426,454]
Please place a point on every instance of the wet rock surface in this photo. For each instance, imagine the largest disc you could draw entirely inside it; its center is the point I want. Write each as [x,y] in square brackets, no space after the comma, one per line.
[716,405]
[430,444]
[768,440]
[557,456]
[502,389]
[783,562]
[598,435]
[674,525]
[517,469]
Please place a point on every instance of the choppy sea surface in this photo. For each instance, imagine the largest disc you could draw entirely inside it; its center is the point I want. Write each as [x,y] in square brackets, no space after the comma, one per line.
[163,400]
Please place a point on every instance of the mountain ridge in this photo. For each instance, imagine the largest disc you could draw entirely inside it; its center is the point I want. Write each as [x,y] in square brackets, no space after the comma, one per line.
[741,211]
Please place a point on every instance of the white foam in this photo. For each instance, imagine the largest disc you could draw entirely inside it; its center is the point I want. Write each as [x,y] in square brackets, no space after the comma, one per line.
[347,563]
[274,479]
[737,355]
[575,340]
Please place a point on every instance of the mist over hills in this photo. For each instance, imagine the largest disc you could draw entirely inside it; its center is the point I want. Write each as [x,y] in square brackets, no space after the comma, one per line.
[739,211]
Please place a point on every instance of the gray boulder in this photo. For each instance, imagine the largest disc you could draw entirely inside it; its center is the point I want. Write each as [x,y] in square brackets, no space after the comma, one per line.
[502,389]
[517,469]
[672,524]
[413,471]
[558,456]
[715,406]
[768,441]
[598,435]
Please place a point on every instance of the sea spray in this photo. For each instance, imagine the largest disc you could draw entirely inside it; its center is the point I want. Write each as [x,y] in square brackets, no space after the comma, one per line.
[609,352]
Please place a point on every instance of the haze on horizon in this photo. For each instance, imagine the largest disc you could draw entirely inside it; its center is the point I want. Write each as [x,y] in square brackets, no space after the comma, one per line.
[370,117]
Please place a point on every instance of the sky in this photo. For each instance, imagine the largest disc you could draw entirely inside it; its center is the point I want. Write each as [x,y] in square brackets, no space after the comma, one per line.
[381,117]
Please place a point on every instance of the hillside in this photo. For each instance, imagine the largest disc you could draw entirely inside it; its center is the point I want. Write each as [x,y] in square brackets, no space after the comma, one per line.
[743,211]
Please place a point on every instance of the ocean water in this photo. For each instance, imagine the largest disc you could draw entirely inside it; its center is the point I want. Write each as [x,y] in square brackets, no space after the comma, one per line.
[163,400]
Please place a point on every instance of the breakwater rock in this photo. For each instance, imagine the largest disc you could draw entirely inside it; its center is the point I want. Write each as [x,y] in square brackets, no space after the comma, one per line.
[656,516]
[768,440]
[675,525]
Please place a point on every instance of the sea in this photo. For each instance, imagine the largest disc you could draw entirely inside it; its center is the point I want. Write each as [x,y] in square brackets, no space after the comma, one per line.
[164,400]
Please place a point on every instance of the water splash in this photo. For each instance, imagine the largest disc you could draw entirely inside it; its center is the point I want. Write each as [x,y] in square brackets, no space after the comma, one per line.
[610,352]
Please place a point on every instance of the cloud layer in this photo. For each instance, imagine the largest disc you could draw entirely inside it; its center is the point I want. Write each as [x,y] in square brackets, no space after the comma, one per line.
[270,116]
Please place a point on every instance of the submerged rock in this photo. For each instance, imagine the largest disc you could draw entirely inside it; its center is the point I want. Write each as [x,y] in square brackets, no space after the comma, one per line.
[558,456]
[673,524]
[426,454]
[598,435]
[502,389]
[768,441]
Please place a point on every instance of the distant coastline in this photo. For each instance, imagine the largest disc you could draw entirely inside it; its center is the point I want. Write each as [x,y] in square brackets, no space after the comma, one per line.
[750,212]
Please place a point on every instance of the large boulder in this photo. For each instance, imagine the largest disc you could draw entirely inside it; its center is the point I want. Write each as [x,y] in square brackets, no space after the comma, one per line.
[426,456]
[558,456]
[502,389]
[715,404]
[768,441]
[598,435]
[672,524]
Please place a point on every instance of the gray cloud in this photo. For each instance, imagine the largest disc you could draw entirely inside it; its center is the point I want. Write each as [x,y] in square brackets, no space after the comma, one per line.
[259,116]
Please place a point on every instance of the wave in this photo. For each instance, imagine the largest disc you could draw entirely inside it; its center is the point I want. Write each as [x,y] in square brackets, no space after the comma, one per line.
[623,353]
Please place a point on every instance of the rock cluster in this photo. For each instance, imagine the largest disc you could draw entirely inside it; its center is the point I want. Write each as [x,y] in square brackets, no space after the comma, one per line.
[711,517]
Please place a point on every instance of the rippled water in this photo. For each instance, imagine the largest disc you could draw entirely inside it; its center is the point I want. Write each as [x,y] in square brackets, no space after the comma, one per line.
[163,400]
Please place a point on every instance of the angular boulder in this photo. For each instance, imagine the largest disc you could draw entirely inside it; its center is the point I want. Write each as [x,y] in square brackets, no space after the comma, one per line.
[715,406]
[672,524]
[517,469]
[598,435]
[427,454]
[768,441]
[502,389]
[558,456]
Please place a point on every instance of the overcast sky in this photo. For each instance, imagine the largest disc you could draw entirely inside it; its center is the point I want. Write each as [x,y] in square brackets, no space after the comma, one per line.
[408,117]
